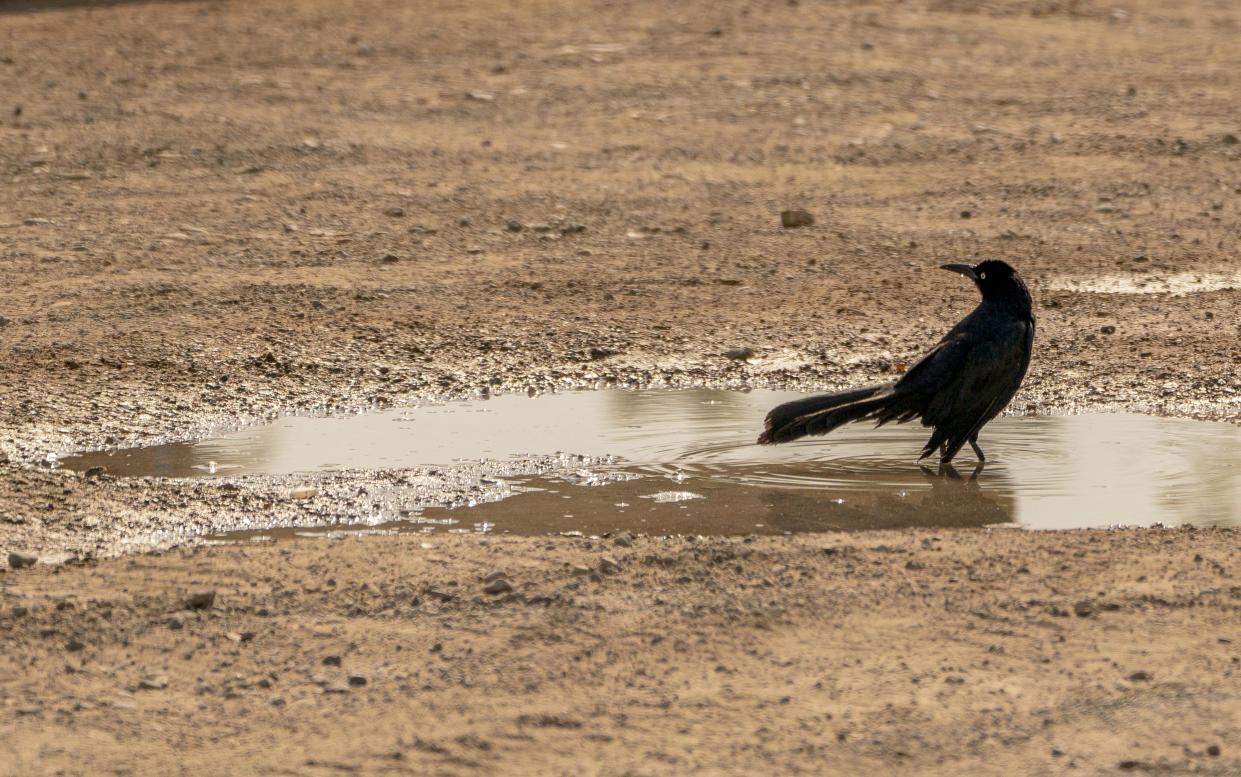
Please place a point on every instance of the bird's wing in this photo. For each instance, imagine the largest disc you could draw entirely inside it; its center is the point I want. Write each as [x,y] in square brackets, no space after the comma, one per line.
[981,359]
[982,368]
[934,370]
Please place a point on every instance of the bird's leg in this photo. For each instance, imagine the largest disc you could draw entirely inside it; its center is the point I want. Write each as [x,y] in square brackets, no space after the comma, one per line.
[977,450]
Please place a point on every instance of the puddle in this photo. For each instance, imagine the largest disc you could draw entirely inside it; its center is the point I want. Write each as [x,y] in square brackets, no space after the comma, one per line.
[1176,284]
[684,462]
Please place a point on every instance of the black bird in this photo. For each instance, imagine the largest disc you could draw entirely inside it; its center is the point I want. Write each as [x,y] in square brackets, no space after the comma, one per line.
[964,382]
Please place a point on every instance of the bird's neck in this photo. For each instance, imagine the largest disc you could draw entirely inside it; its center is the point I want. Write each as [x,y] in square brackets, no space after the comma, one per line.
[1017,306]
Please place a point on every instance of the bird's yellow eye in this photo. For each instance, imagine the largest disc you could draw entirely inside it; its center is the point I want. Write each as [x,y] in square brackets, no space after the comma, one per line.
[982,276]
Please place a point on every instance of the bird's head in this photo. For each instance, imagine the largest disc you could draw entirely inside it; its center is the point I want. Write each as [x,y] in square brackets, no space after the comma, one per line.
[996,280]
[993,277]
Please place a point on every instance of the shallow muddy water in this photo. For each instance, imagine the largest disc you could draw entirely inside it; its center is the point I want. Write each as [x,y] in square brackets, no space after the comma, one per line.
[685,462]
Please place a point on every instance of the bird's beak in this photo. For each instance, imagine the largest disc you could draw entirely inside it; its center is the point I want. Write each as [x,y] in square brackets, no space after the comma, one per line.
[963,269]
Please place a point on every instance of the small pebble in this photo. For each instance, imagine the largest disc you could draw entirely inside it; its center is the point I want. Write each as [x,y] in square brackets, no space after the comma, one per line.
[608,565]
[357,680]
[791,219]
[498,586]
[154,683]
[203,600]
[21,560]
[331,660]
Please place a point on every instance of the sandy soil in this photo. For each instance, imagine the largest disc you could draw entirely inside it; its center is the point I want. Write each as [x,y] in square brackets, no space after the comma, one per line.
[213,212]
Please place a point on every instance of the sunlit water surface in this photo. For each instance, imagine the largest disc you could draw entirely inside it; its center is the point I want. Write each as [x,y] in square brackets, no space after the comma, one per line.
[698,470]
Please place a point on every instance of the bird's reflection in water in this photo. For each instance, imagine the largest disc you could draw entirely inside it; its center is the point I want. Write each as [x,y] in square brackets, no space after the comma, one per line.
[922,496]
[947,470]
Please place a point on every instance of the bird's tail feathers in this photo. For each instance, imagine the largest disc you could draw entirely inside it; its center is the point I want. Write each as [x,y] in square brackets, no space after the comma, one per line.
[822,414]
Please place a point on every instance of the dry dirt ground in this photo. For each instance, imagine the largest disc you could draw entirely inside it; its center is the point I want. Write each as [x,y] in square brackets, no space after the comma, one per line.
[216,211]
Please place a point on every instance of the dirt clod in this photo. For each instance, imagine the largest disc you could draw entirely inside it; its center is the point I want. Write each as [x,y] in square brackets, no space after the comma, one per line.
[791,219]
[203,600]
[22,560]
